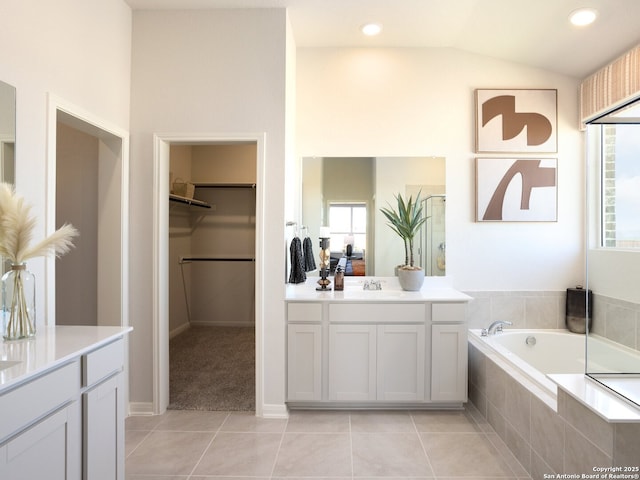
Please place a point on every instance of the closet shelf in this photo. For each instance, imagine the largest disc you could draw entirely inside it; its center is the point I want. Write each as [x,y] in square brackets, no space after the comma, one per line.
[188,201]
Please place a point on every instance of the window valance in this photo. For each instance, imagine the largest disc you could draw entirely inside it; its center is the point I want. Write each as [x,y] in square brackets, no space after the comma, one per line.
[611,86]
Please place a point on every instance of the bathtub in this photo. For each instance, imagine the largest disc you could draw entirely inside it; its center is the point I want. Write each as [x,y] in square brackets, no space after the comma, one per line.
[530,355]
[552,351]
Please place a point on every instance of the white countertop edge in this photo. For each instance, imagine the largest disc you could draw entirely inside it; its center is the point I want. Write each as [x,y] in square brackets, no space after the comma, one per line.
[597,398]
[435,289]
[51,347]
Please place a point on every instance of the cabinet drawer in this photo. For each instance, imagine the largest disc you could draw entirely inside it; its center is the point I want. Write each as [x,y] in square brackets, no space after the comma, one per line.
[448,312]
[377,313]
[102,362]
[304,312]
[38,397]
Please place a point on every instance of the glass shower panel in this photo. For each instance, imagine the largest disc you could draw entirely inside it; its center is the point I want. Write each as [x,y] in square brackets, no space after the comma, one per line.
[613,251]
[432,246]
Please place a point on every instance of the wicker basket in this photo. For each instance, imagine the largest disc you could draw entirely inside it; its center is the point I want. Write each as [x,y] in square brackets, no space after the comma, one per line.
[183,189]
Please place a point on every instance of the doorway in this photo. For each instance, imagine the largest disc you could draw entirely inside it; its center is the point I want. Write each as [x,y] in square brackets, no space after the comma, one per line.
[161,330]
[88,188]
[211,263]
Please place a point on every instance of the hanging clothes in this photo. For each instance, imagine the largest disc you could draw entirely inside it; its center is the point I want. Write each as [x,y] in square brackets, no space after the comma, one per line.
[309,261]
[297,274]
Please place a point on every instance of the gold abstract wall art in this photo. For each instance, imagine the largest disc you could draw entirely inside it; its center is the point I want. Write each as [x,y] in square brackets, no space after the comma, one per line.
[516,190]
[516,121]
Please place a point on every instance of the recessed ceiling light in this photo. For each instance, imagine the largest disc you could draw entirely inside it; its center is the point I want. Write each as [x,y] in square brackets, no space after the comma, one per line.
[583,16]
[371,29]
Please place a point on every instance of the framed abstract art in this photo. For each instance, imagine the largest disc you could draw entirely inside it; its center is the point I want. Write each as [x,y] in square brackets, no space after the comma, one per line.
[516,190]
[516,121]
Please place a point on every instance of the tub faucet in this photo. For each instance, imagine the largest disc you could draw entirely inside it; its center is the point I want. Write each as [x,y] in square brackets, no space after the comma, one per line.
[494,327]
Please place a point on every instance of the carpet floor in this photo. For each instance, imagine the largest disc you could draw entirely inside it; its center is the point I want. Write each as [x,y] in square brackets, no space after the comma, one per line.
[212,368]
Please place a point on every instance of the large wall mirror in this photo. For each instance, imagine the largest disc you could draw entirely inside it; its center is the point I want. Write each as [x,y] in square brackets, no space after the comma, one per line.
[7,132]
[7,138]
[346,194]
[613,346]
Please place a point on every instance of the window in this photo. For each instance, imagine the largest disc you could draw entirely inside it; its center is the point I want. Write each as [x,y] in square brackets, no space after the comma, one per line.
[620,185]
[345,220]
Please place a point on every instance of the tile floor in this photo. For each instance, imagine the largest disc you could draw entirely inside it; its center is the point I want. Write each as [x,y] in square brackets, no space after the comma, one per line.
[181,445]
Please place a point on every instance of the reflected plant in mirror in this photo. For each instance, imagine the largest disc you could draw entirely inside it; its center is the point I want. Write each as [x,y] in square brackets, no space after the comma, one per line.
[346,194]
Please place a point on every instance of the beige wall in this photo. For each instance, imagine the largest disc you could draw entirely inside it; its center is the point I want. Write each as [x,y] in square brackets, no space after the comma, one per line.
[93,73]
[420,102]
[217,72]
[77,203]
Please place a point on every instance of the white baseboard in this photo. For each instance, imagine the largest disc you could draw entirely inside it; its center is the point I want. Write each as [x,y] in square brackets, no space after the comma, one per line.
[275,411]
[223,324]
[177,331]
[140,408]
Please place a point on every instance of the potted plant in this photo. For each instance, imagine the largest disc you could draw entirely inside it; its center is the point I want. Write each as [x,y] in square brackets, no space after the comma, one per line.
[406,221]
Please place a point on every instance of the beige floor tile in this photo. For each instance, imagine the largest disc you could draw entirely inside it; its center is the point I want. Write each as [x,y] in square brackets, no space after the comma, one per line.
[248,422]
[318,422]
[381,421]
[389,455]
[444,421]
[191,421]
[132,439]
[168,453]
[464,454]
[314,455]
[240,454]
[142,422]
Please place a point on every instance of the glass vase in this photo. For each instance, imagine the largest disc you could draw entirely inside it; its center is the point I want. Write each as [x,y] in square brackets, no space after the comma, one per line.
[18,303]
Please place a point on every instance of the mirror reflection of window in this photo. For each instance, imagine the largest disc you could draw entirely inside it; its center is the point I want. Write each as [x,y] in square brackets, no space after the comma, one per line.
[348,224]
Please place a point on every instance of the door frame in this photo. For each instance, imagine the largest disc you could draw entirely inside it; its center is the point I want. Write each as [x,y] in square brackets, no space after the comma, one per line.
[160,285]
[113,149]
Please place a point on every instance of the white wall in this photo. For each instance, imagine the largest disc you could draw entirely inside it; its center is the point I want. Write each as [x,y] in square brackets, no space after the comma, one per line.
[216,72]
[79,50]
[420,102]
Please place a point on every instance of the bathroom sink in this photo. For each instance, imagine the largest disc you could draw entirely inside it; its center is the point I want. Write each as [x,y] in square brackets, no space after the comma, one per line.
[380,294]
[7,364]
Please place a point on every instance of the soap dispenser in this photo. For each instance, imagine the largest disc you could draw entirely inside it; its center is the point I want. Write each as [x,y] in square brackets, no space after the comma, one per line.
[339,279]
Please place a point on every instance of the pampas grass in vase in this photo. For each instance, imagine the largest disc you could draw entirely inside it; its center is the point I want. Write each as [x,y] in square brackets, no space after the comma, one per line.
[18,284]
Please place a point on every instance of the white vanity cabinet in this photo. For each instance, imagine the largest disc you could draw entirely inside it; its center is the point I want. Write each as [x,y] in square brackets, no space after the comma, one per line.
[395,349]
[62,406]
[40,430]
[103,413]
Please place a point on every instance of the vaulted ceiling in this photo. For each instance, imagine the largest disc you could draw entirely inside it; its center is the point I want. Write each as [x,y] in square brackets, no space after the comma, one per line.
[531,32]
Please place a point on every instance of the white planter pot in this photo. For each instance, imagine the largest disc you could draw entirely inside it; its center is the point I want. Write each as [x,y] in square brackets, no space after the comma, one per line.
[411,280]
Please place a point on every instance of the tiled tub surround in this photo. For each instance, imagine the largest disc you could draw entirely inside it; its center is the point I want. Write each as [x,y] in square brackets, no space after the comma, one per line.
[614,319]
[548,435]
[617,320]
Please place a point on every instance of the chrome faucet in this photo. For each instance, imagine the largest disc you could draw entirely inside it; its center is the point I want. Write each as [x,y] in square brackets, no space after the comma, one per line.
[494,327]
[372,285]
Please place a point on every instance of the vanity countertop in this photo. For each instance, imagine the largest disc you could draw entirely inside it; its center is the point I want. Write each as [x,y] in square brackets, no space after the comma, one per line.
[20,360]
[435,289]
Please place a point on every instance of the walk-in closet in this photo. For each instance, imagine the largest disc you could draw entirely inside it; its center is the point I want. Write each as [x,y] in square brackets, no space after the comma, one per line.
[212,209]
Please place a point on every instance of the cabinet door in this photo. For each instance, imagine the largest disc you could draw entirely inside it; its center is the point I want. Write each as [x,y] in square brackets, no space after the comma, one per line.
[304,362]
[449,363]
[400,362]
[103,415]
[352,362]
[49,449]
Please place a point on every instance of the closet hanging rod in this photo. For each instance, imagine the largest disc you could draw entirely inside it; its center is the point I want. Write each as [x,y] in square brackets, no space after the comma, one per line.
[216,259]
[225,185]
